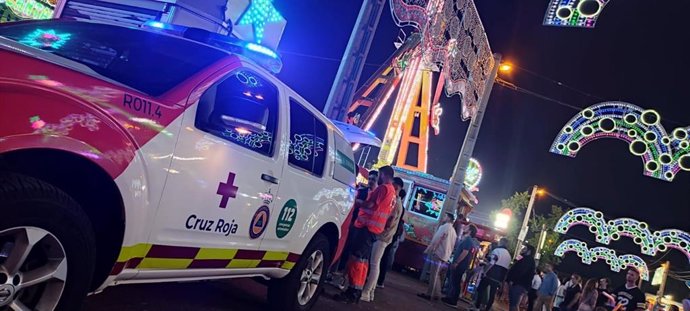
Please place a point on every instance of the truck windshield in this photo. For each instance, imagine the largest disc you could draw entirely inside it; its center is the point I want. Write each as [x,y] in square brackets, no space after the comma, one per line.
[146,61]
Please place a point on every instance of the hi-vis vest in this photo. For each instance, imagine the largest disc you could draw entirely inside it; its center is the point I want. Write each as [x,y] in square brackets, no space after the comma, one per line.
[375,218]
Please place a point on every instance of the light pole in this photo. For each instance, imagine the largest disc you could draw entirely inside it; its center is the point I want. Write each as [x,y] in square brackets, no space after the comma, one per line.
[458,178]
[542,240]
[525,220]
[660,294]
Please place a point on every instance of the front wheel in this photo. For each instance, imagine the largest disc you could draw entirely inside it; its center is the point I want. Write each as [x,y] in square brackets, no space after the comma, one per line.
[300,289]
[46,247]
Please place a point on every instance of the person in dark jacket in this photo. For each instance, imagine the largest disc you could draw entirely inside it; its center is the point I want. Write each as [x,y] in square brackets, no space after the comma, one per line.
[520,277]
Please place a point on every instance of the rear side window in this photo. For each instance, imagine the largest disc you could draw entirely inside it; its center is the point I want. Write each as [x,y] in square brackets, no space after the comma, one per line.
[243,109]
[146,61]
[308,140]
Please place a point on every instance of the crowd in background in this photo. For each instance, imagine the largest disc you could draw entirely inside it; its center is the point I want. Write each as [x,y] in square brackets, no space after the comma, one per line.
[376,230]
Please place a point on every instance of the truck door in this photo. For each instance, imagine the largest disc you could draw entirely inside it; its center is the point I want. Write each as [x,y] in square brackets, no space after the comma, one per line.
[224,175]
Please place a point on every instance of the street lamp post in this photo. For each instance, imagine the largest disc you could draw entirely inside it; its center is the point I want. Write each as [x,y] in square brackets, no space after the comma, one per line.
[525,220]
[458,178]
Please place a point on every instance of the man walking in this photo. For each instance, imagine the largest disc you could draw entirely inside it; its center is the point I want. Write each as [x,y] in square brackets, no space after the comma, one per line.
[439,252]
[499,261]
[462,255]
[371,220]
[382,241]
[520,277]
[547,290]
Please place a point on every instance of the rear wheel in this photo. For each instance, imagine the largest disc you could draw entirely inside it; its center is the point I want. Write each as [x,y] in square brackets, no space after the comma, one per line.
[46,247]
[300,289]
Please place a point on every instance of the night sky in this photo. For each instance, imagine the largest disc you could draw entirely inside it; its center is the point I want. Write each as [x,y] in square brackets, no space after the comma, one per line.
[635,54]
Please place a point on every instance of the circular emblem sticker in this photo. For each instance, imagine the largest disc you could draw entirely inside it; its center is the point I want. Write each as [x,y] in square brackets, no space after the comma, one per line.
[286,219]
[259,222]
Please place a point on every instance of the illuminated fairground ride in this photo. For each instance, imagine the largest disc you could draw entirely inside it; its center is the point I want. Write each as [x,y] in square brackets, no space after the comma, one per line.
[450,40]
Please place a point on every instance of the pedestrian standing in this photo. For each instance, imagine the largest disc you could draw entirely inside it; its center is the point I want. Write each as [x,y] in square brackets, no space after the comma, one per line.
[547,290]
[532,292]
[362,195]
[463,252]
[499,260]
[560,295]
[520,277]
[605,299]
[382,241]
[588,299]
[439,251]
[371,220]
[572,293]
[392,248]
[629,297]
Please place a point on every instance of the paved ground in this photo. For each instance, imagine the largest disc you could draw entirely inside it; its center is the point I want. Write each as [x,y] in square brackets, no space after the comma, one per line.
[400,294]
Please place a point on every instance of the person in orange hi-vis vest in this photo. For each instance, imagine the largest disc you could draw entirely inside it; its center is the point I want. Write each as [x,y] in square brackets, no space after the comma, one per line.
[371,220]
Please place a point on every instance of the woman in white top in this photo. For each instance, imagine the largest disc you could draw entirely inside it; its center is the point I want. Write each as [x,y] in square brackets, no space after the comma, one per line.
[560,295]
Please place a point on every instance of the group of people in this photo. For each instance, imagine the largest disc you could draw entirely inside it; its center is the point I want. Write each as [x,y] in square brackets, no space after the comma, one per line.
[451,249]
[375,232]
[377,229]
[543,289]
[545,292]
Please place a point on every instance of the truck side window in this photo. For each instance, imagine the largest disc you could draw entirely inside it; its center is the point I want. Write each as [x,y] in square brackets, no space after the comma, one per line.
[308,140]
[243,109]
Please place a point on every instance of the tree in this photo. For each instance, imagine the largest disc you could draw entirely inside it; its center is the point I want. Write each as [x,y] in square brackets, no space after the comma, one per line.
[517,204]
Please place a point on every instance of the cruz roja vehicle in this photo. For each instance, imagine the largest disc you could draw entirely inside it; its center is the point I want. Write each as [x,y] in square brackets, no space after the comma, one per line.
[160,153]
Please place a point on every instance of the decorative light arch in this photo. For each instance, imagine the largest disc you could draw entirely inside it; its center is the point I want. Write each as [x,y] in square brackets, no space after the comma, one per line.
[588,217]
[672,238]
[578,247]
[608,255]
[650,242]
[637,230]
[636,262]
[615,262]
[574,13]
[663,155]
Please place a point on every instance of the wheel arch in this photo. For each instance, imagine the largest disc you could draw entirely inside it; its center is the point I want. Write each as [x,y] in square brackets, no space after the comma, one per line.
[102,200]
[331,232]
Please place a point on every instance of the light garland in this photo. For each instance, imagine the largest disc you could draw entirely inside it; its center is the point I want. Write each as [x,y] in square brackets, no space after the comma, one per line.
[574,13]
[615,262]
[663,155]
[650,243]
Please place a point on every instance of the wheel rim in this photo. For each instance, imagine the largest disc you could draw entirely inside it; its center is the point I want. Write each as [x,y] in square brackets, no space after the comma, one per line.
[311,278]
[33,269]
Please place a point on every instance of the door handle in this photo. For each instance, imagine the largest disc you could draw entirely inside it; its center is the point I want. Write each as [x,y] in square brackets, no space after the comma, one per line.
[269,178]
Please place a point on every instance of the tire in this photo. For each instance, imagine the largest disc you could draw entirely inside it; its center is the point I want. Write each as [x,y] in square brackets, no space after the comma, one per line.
[283,293]
[31,207]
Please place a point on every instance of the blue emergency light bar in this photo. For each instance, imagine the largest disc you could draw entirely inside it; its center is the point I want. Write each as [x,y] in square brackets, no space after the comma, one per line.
[260,54]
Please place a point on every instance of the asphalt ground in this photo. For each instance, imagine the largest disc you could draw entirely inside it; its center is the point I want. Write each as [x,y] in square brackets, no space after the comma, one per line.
[399,294]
